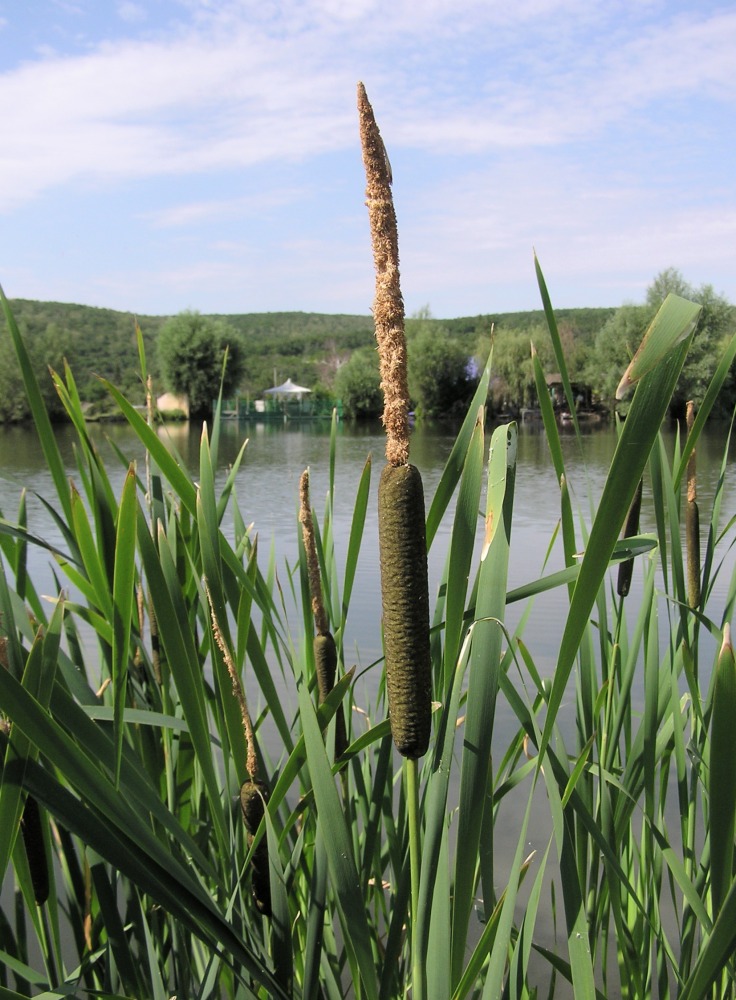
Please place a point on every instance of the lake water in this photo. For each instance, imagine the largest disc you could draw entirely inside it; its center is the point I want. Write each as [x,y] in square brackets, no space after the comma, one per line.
[267,489]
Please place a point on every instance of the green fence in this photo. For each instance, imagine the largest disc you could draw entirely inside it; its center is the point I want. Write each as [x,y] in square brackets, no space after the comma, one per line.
[280,409]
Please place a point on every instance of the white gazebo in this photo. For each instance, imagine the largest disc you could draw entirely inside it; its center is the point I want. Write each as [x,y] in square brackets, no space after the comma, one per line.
[288,390]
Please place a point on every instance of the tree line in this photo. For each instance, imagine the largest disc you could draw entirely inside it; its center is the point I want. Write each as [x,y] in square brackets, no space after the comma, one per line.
[335,355]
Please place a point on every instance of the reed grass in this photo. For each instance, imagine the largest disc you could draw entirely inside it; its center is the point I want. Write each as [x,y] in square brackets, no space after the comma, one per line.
[120,723]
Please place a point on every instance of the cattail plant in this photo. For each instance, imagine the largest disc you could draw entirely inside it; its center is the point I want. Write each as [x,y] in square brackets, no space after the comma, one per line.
[253,792]
[401,522]
[325,650]
[692,520]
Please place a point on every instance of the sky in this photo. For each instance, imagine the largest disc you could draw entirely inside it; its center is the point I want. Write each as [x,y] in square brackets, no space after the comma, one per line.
[161,155]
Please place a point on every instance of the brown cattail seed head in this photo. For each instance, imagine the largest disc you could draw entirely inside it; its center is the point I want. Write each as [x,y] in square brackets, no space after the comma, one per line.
[404,585]
[253,797]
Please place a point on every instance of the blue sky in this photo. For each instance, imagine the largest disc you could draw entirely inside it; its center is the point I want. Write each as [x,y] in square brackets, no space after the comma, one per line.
[170,154]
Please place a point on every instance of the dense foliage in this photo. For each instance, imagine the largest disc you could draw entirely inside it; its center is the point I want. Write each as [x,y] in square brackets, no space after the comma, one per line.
[442,376]
[335,355]
[358,384]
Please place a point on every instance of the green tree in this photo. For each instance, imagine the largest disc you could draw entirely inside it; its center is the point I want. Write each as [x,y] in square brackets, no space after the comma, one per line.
[358,384]
[441,379]
[621,335]
[614,347]
[717,321]
[513,371]
[191,350]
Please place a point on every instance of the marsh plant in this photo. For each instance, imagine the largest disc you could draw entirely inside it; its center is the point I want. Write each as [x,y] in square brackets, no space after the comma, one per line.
[143,696]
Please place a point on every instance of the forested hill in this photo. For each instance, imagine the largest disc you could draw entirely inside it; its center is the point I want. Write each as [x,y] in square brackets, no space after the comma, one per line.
[307,347]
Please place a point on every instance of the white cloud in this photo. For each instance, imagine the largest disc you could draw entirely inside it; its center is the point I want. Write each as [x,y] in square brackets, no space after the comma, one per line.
[132,13]
[214,98]
[186,213]
[543,121]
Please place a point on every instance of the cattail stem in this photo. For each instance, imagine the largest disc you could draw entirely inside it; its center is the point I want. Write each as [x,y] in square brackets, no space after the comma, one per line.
[251,757]
[325,650]
[253,793]
[412,797]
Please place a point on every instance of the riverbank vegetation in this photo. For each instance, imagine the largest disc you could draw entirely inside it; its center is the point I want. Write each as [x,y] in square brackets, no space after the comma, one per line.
[335,355]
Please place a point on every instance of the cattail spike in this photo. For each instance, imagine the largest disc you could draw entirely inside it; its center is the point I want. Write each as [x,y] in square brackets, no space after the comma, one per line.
[253,799]
[388,304]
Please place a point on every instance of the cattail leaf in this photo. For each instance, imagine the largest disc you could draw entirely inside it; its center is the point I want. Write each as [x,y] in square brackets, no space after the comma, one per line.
[178,642]
[436,798]
[283,958]
[715,953]
[135,784]
[167,881]
[86,770]
[557,348]
[642,424]
[170,465]
[315,917]
[722,774]
[675,321]
[95,585]
[106,897]
[484,668]
[41,420]
[123,604]
[437,961]
[549,420]
[37,682]
[340,858]
[712,393]
[456,459]
[462,541]
[356,536]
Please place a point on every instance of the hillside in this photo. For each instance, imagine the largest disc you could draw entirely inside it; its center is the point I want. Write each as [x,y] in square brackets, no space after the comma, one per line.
[307,347]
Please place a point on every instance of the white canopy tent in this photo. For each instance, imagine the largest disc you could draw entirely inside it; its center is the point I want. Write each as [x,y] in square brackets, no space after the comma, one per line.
[288,390]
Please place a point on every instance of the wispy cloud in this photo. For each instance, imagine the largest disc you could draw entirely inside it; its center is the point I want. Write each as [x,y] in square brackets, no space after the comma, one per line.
[588,125]
[186,213]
